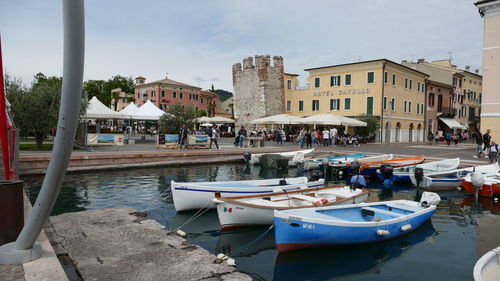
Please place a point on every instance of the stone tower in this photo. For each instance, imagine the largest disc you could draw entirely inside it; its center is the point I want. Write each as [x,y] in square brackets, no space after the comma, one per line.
[258,89]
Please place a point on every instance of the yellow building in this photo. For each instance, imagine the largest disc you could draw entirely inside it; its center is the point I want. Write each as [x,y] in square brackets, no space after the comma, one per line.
[490,99]
[472,84]
[392,93]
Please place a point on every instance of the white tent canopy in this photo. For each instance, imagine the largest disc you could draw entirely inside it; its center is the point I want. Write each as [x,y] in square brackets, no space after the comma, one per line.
[148,111]
[220,119]
[131,109]
[214,120]
[278,119]
[452,123]
[332,119]
[97,110]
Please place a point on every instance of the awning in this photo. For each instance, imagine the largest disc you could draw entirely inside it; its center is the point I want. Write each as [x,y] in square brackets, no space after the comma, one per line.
[452,123]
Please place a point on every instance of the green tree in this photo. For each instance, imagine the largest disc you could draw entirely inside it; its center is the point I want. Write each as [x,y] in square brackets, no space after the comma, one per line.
[35,110]
[95,88]
[171,122]
[371,126]
[117,81]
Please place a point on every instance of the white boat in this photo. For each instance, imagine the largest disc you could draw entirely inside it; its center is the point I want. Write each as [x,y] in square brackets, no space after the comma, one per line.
[402,174]
[343,163]
[487,268]
[255,158]
[310,164]
[259,209]
[451,179]
[197,195]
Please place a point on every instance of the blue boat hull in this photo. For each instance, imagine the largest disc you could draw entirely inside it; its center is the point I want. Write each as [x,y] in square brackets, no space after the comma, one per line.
[291,234]
[395,178]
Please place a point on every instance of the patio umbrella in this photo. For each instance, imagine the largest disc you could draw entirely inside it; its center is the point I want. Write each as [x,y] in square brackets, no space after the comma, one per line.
[278,119]
[220,119]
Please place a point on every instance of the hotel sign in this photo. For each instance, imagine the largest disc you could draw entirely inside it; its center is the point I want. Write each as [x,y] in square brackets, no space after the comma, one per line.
[342,92]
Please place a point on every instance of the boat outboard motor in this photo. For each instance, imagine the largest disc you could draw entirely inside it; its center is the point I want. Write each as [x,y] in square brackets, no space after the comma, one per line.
[283,182]
[315,176]
[387,171]
[248,156]
[355,168]
[419,175]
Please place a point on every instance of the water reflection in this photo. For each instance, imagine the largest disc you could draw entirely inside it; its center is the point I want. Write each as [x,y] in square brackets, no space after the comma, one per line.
[245,242]
[456,221]
[331,262]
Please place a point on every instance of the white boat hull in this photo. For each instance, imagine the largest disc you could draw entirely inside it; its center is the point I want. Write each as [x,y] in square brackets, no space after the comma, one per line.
[197,195]
[233,215]
[255,158]
[451,179]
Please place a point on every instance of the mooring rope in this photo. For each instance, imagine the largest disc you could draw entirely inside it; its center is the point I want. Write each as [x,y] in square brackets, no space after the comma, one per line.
[244,247]
[196,215]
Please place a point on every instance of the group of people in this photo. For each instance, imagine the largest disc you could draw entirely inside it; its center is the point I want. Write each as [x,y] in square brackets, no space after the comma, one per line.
[485,146]
[448,137]
[212,132]
[312,138]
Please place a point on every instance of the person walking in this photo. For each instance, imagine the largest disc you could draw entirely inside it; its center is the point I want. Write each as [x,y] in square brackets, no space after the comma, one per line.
[308,137]
[214,136]
[430,137]
[436,137]
[486,141]
[314,137]
[478,140]
[447,137]
[279,137]
[302,137]
[326,138]
[455,138]
[493,154]
[333,136]
[242,134]
[183,137]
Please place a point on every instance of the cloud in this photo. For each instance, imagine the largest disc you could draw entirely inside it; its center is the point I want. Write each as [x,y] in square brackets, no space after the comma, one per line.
[204,38]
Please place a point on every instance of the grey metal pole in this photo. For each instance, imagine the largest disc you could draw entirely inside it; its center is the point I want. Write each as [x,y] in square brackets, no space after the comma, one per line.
[24,248]
[388,132]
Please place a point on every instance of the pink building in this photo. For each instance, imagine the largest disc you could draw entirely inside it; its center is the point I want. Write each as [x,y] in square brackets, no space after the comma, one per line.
[166,92]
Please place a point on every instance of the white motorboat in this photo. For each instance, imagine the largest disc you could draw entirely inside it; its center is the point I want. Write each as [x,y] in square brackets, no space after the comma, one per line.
[259,209]
[451,179]
[299,155]
[487,268]
[197,195]
[377,158]
[402,174]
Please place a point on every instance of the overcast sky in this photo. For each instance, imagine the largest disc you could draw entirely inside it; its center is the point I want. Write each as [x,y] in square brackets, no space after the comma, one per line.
[197,42]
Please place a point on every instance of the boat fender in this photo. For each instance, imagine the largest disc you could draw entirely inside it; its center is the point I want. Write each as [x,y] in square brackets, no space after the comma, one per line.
[340,173]
[382,232]
[217,201]
[220,258]
[406,227]
[231,262]
[181,233]
[495,200]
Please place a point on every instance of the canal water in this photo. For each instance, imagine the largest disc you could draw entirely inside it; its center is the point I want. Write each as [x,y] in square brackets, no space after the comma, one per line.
[445,248]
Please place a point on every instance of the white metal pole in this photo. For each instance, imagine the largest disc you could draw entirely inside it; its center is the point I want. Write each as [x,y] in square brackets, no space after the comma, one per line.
[24,248]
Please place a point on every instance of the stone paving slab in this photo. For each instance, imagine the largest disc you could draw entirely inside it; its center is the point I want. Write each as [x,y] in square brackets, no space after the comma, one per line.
[11,272]
[115,244]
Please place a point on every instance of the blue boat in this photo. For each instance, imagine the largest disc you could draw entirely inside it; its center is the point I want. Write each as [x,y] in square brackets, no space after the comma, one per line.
[351,224]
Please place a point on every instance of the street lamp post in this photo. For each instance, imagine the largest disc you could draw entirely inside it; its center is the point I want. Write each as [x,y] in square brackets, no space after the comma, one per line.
[388,131]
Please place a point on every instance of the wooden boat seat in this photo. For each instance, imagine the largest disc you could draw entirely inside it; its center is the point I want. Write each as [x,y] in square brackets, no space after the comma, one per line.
[380,211]
[304,197]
